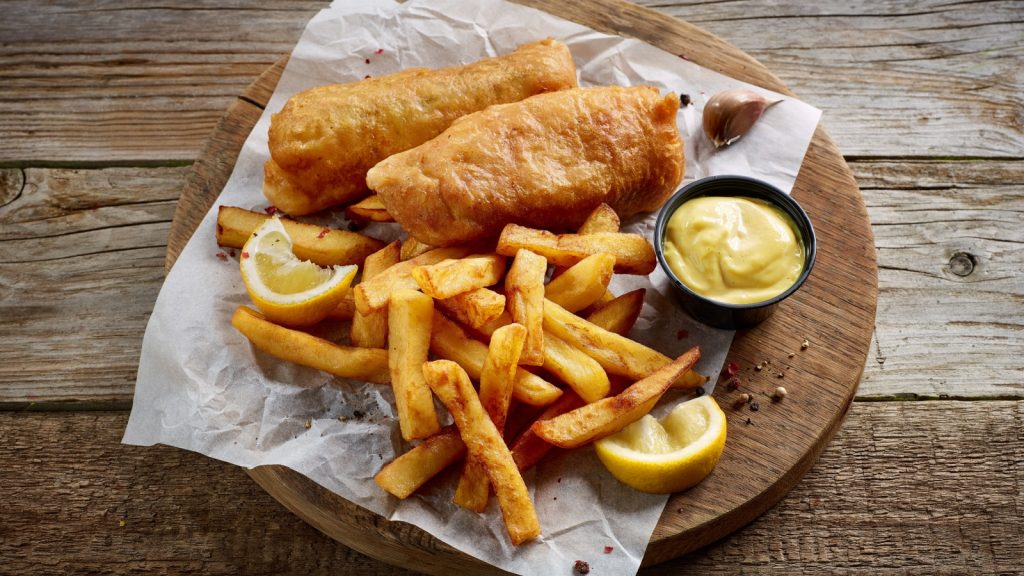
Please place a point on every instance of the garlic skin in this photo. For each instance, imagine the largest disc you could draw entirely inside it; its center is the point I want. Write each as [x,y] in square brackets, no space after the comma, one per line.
[730,114]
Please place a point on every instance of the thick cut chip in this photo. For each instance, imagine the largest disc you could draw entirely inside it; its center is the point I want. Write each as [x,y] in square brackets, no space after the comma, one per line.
[602,219]
[581,372]
[451,277]
[371,330]
[484,443]
[318,244]
[369,364]
[496,383]
[412,248]
[524,291]
[619,314]
[369,209]
[609,415]
[633,253]
[410,316]
[475,308]
[373,294]
[448,340]
[583,284]
[405,474]
[530,448]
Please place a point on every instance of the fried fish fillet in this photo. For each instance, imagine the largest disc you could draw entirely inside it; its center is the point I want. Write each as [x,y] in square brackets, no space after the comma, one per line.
[325,139]
[546,161]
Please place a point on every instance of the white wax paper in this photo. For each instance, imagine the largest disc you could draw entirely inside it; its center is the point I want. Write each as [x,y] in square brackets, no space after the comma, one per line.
[202,387]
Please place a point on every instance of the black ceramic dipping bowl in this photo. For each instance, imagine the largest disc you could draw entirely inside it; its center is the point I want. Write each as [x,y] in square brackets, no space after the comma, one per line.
[721,314]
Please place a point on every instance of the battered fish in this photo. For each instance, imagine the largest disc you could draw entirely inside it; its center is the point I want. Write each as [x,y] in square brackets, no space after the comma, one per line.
[325,139]
[546,162]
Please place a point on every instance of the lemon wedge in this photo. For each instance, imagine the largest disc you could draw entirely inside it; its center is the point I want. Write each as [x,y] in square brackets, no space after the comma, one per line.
[669,455]
[286,289]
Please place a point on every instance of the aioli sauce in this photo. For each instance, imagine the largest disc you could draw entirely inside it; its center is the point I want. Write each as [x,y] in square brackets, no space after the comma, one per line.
[732,249]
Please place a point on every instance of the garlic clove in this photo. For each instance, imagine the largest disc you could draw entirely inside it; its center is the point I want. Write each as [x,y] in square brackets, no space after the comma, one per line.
[730,114]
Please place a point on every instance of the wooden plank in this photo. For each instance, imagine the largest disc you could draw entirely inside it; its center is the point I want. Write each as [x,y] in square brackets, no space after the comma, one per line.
[81,262]
[887,69]
[907,487]
[884,70]
[950,244]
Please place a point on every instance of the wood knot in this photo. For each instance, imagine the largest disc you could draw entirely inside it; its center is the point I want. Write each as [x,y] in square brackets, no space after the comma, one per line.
[962,264]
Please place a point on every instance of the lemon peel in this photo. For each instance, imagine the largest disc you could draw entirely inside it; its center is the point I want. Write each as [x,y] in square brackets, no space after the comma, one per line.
[286,289]
[669,455]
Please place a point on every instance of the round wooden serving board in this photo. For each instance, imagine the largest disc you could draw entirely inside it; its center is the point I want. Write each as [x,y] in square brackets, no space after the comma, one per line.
[768,451]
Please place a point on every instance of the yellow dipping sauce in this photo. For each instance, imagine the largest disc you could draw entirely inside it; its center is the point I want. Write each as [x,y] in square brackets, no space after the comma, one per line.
[732,249]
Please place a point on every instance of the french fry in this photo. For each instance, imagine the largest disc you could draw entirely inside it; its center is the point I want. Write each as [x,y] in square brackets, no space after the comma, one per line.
[450,277]
[324,246]
[410,315]
[582,284]
[524,292]
[369,364]
[633,253]
[449,341]
[602,219]
[475,308]
[412,248]
[498,376]
[530,448]
[346,309]
[496,382]
[581,372]
[609,415]
[616,354]
[484,443]
[373,294]
[370,209]
[371,330]
[405,474]
[620,314]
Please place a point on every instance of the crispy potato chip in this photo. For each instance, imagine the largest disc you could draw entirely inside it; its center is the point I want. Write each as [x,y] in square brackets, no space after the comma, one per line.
[475,308]
[448,340]
[609,415]
[633,253]
[318,244]
[602,219]
[371,330]
[410,316]
[373,294]
[369,209]
[620,314]
[524,292]
[405,474]
[582,284]
[451,277]
[412,248]
[530,448]
[484,443]
[369,364]
[496,383]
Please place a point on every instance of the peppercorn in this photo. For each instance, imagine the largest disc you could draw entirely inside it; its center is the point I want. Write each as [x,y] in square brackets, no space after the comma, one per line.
[779,394]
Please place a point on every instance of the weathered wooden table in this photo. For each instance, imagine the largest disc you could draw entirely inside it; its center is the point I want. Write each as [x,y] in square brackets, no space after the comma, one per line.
[103,108]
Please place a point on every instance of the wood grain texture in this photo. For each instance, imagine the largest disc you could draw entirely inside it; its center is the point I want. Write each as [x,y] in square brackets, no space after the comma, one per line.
[916,488]
[950,241]
[81,262]
[835,309]
[879,70]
